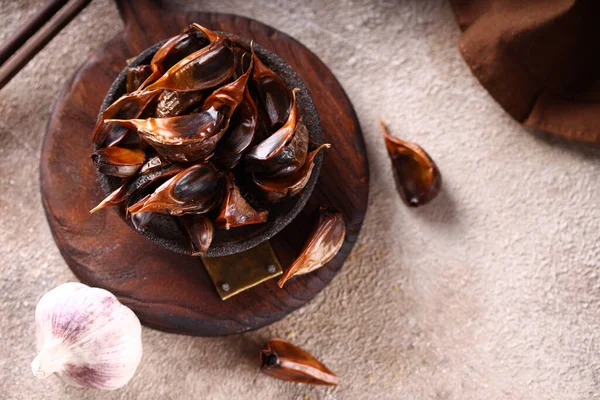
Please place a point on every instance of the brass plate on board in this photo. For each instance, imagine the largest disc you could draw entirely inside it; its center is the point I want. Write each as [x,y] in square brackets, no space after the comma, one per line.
[238,272]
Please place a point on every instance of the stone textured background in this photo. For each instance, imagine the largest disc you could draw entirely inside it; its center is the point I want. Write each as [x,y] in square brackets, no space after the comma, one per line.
[492,291]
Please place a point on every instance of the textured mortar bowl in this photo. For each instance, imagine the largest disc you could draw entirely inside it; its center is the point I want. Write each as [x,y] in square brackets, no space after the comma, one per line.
[165,230]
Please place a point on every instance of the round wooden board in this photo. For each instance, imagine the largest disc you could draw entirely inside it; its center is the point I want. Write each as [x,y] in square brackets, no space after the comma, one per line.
[170,291]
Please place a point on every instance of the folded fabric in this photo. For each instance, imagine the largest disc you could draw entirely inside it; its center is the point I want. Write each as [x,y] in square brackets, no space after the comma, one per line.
[540,59]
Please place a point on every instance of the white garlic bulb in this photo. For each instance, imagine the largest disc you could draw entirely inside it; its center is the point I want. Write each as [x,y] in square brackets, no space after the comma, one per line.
[85,336]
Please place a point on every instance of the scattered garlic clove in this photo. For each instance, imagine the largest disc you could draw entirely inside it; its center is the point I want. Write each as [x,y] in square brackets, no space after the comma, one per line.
[418,179]
[86,337]
[283,360]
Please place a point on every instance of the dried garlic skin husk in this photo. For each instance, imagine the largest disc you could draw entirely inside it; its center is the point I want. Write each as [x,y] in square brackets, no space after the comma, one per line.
[86,337]
[418,179]
[323,243]
[283,360]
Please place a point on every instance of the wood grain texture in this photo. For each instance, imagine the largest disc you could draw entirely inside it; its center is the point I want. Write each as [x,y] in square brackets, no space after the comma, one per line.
[170,291]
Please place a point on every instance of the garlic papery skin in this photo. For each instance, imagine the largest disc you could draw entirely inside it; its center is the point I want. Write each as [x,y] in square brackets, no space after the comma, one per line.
[87,337]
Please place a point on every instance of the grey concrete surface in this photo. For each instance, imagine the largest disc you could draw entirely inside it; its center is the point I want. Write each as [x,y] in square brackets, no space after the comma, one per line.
[490,292]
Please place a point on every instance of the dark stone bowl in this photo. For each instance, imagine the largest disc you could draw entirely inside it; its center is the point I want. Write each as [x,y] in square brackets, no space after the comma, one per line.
[165,230]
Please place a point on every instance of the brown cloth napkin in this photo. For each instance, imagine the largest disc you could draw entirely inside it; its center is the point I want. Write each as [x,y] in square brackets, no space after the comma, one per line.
[540,59]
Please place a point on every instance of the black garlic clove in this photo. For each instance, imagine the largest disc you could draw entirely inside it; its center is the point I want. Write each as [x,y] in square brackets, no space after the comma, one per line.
[192,137]
[200,232]
[235,210]
[418,179]
[277,189]
[283,360]
[322,244]
[195,190]
[118,161]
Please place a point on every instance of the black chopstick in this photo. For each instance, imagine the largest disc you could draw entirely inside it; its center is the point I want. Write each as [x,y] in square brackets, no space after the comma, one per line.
[26,31]
[13,58]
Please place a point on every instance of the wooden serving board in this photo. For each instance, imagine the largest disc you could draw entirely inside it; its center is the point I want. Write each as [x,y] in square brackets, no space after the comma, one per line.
[170,291]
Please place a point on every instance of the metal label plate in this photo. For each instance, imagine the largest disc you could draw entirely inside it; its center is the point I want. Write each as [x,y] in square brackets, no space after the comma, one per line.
[238,272]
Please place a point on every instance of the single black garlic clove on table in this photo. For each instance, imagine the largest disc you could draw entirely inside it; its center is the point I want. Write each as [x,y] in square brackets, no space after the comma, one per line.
[418,179]
[283,360]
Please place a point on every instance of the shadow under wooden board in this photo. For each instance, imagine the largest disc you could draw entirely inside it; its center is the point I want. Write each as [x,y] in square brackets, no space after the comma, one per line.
[170,291]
